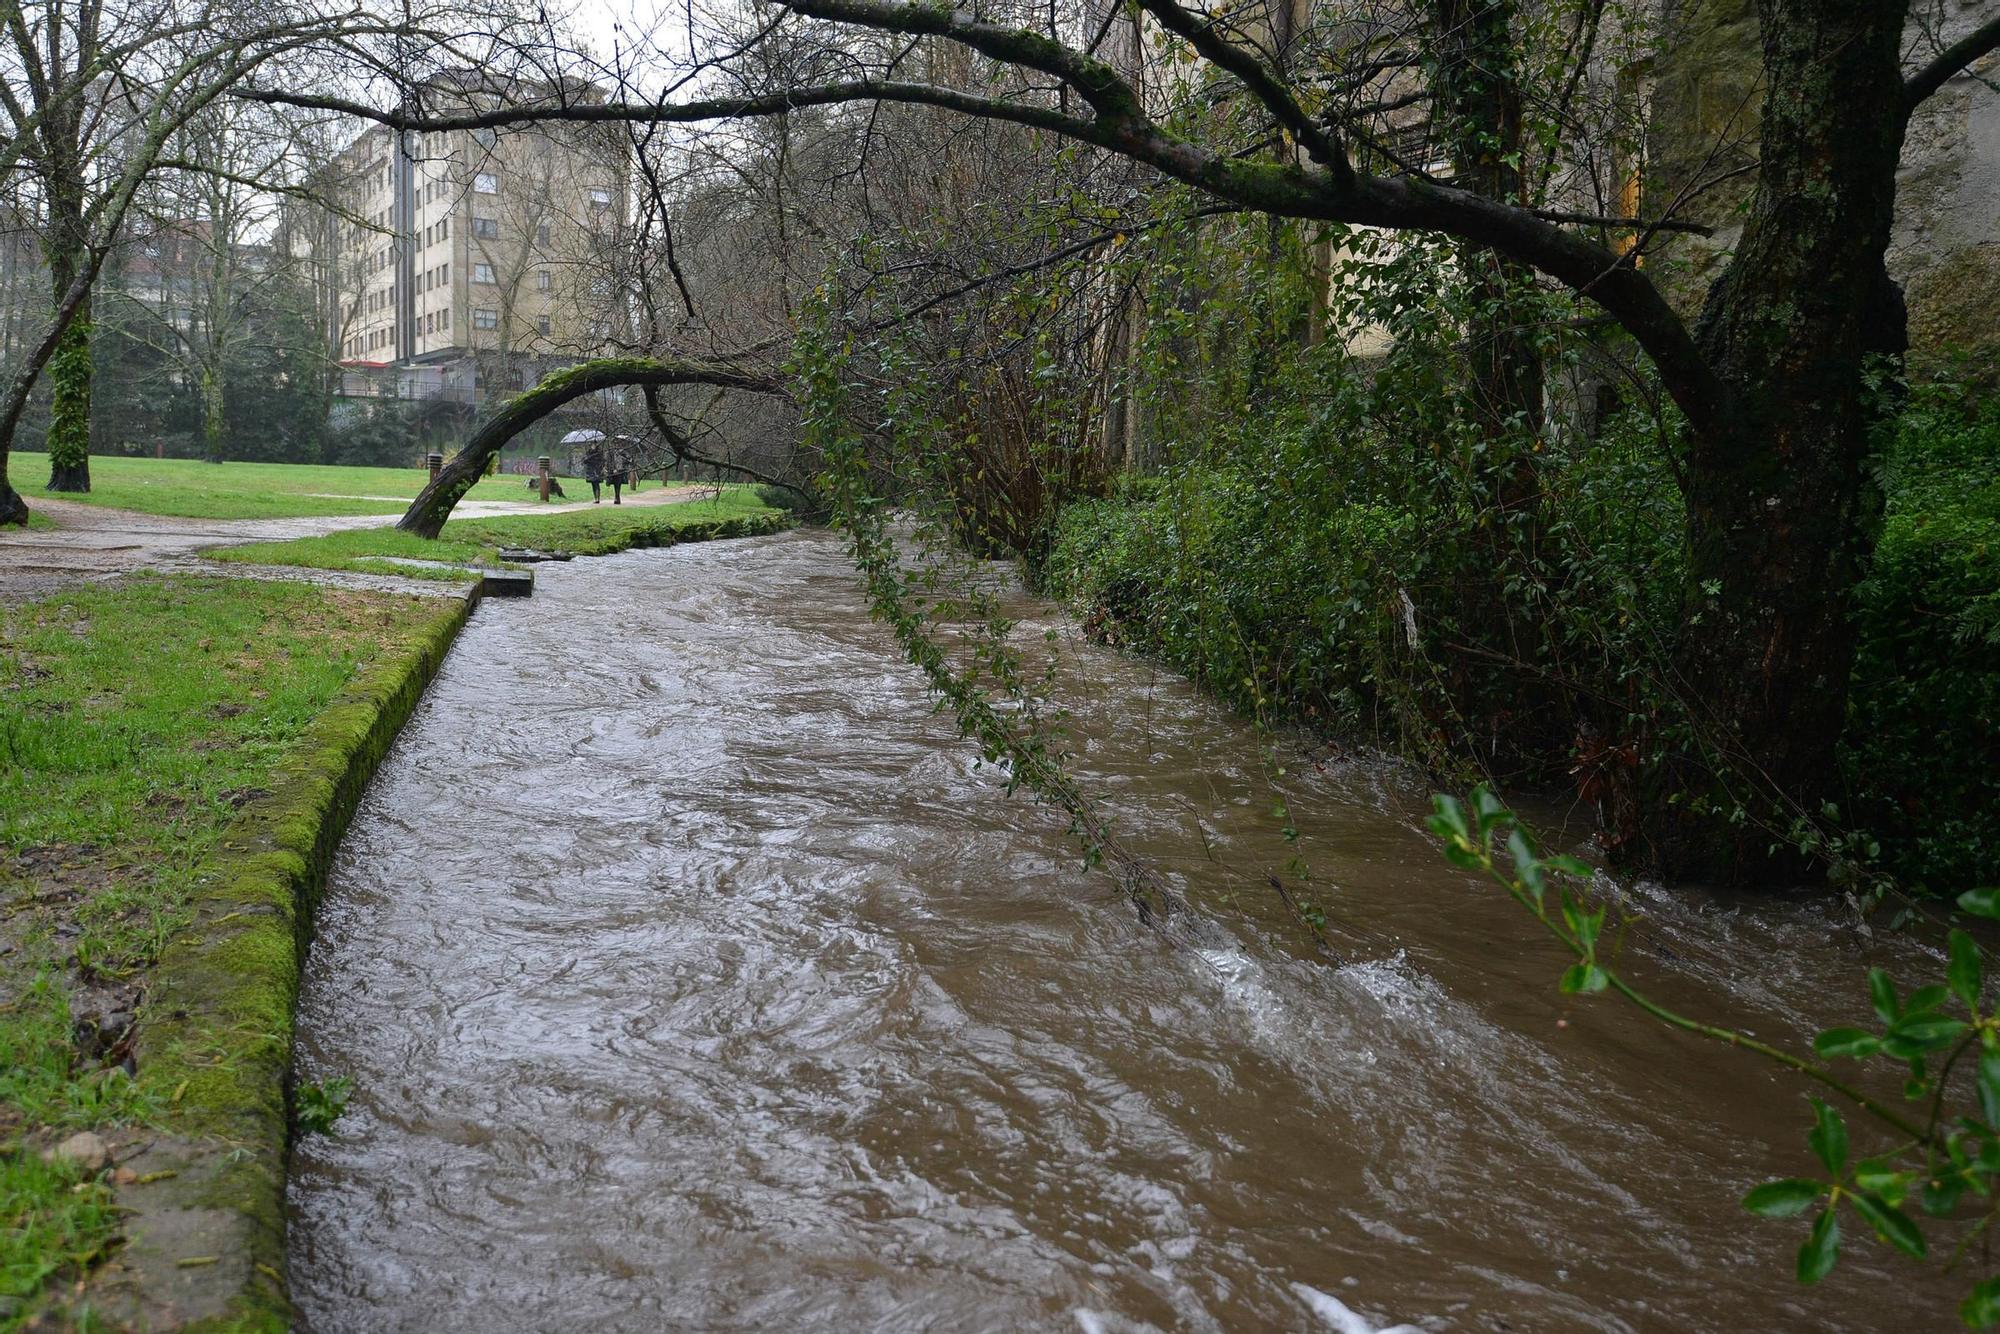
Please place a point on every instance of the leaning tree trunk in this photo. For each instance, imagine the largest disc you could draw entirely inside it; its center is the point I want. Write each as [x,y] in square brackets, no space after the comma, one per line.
[1781,520]
[433,505]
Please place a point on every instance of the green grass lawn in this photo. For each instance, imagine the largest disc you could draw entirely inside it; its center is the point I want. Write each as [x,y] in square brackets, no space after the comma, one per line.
[135,718]
[197,490]
[362,550]
[593,532]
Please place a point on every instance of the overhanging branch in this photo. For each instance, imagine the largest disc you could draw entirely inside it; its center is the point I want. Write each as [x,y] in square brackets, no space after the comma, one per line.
[1949,62]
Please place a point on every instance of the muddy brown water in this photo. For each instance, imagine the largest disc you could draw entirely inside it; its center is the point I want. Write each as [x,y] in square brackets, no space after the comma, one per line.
[692,974]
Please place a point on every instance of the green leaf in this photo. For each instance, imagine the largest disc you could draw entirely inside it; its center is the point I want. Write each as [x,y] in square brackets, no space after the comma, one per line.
[1583,978]
[1925,998]
[1822,1248]
[1464,858]
[1527,866]
[1931,1031]
[1940,1196]
[1891,1225]
[1982,1306]
[1989,1087]
[1967,972]
[1828,1138]
[1855,1042]
[1449,817]
[1882,991]
[1877,1177]
[1981,902]
[1491,810]
[1568,865]
[1782,1199]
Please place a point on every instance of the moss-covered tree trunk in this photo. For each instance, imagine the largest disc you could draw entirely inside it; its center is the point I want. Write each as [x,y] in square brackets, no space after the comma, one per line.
[1780,516]
[66,244]
[69,408]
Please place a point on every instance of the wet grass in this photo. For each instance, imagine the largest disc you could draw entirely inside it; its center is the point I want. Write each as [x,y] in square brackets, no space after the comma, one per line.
[603,529]
[597,531]
[190,488]
[364,550]
[136,718]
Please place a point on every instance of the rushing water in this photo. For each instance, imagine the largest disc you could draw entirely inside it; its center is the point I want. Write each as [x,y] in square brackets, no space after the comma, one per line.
[693,974]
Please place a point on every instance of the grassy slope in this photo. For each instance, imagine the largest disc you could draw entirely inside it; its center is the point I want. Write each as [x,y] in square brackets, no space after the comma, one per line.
[193,489]
[590,532]
[135,719]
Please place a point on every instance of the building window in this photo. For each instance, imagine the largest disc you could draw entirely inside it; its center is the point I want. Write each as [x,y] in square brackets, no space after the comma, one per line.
[543,280]
[444,229]
[444,318]
[483,273]
[542,234]
[485,317]
[485,183]
[542,325]
[487,228]
[600,197]
[484,136]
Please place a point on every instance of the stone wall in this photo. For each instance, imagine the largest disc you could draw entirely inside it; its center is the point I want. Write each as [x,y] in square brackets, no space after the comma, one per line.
[1945,249]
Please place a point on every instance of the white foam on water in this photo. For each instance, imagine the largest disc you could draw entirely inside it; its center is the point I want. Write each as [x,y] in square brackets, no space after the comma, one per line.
[1342,1318]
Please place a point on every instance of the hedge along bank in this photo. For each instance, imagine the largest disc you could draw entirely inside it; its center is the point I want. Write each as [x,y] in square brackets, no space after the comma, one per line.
[205,1236]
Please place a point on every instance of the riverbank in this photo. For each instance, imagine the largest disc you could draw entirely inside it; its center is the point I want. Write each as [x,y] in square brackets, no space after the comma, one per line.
[184,755]
[1337,609]
[181,756]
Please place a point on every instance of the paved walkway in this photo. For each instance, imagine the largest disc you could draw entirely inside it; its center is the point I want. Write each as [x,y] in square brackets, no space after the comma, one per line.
[91,542]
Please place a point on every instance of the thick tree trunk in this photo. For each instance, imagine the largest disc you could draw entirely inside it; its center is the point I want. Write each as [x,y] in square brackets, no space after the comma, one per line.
[69,407]
[1781,520]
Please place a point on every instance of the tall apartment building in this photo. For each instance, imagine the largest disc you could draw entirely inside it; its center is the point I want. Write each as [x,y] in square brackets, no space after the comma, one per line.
[467,263]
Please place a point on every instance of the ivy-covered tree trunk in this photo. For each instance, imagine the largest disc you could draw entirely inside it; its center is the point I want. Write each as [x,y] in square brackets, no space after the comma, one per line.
[69,408]
[1781,518]
[66,244]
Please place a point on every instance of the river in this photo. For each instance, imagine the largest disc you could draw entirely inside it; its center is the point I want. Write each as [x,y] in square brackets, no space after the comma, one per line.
[693,974]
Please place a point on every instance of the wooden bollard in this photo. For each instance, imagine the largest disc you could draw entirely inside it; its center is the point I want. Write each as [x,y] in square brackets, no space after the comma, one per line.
[542,467]
[436,462]
[159,449]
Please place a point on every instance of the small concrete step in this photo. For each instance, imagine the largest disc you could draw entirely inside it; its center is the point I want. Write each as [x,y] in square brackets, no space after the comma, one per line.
[507,583]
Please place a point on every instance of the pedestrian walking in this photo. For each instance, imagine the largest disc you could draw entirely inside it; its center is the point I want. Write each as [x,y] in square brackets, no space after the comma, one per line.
[593,472]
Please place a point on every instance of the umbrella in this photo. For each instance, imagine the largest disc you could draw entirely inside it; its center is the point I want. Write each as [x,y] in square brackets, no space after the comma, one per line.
[582,437]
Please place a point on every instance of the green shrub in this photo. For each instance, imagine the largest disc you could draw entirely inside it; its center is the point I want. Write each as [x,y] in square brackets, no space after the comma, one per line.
[1923,747]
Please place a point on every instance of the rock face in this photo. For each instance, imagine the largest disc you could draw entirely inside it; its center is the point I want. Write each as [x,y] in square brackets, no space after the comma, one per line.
[1945,248]
[86,1150]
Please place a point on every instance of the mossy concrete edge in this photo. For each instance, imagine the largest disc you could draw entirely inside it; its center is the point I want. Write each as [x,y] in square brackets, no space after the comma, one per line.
[205,1246]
